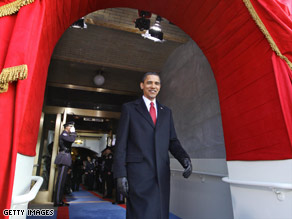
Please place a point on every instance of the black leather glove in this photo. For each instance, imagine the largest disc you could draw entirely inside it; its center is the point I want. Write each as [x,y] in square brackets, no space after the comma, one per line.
[123,187]
[187,164]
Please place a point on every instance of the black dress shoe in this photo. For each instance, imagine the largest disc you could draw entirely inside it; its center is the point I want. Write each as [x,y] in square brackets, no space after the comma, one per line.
[63,204]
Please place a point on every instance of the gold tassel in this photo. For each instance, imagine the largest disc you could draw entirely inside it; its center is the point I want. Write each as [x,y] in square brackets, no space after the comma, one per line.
[13,7]
[12,74]
[266,33]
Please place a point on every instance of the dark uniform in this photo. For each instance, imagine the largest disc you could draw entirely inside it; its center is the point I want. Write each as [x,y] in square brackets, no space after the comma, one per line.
[99,175]
[89,171]
[109,180]
[64,161]
[77,173]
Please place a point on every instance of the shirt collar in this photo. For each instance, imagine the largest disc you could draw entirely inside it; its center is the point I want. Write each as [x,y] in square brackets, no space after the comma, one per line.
[147,101]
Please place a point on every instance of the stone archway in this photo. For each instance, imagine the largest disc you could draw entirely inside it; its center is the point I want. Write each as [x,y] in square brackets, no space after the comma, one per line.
[232,45]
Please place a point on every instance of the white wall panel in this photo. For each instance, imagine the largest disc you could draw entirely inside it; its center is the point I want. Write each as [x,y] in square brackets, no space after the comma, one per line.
[201,196]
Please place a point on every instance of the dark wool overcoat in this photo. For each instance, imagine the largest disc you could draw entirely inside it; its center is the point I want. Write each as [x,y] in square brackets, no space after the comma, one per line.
[141,155]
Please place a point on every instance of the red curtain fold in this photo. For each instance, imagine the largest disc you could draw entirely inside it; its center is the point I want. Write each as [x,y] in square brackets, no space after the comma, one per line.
[277,22]
[277,19]
[240,56]
[253,83]
[29,92]
[23,49]
[6,30]
[27,37]
[8,153]
[284,84]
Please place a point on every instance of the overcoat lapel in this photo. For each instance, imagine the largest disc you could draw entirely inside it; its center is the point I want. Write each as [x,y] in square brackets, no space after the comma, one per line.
[142,109]
[161,114]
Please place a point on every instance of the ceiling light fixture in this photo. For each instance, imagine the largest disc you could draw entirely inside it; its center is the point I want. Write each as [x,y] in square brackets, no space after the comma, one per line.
[99,78]
[143,23]
[155,33]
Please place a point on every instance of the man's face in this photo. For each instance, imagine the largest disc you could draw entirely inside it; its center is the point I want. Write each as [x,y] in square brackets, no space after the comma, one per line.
[69,127]
[151,86]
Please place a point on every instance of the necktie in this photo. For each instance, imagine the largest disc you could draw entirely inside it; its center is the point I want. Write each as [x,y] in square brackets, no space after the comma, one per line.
[153,112]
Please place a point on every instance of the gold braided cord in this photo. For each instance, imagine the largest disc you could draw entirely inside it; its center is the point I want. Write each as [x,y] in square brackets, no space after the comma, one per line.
[12,74]
[13,7]
[266,33]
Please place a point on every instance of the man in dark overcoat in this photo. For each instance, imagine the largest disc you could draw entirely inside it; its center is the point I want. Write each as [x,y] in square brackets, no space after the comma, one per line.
[141,163]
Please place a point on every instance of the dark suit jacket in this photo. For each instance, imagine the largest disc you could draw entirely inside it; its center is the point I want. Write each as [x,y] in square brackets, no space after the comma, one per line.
[142,156]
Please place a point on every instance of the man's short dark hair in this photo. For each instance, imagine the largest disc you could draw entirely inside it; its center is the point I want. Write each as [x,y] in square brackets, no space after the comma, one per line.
[69,123]
[150,73]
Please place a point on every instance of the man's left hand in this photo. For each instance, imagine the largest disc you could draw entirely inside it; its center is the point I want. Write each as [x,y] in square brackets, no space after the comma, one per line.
[187,164]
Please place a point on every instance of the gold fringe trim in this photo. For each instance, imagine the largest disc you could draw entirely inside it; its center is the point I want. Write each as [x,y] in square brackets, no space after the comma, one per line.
[266,33]
[12,74]
[13,7]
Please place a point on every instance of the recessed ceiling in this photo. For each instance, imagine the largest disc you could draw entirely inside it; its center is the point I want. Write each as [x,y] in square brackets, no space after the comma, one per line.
[124,18]
[110,43]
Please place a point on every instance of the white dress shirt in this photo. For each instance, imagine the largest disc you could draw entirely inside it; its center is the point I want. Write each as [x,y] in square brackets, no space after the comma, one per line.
[147,103]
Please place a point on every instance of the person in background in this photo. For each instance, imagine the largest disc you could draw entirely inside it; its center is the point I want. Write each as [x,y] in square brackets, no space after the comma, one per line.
[64,161]
[48,159]
[77,173]
[89,171]
[109,180]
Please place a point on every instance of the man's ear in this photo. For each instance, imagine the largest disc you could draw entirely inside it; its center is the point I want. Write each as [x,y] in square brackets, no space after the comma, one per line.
[142,86]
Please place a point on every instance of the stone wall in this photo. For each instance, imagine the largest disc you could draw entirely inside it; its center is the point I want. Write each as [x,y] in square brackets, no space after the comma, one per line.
[189,89]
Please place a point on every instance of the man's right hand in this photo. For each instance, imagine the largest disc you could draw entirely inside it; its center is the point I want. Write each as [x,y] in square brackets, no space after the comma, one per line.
[187,164]
[123,187]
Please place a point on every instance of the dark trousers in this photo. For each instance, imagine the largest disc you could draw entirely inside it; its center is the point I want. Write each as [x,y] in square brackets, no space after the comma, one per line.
[99,183]
[59,189]
[90,181]
[76,181]
[109,185]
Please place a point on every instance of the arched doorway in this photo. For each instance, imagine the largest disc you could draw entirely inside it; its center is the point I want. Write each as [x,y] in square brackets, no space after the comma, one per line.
[231,43]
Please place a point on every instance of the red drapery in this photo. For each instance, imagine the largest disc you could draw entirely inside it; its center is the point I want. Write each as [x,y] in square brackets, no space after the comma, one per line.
[254,84]
[17,48]
[8,153]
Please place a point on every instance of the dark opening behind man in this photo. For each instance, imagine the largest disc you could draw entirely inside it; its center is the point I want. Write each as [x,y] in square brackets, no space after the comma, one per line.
[141,163]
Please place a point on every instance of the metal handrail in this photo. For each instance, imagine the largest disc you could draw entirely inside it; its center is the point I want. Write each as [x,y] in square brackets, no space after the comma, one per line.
[201,173]
[21,199]
[270,185]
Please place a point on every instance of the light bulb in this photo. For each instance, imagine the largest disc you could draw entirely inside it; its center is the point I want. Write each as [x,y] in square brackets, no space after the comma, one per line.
[99,80]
